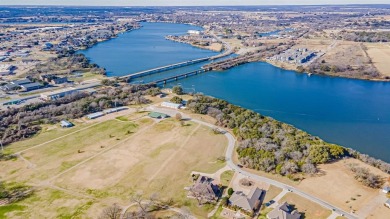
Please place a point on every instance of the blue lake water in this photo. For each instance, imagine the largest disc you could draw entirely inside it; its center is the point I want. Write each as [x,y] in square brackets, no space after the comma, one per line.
[352,113]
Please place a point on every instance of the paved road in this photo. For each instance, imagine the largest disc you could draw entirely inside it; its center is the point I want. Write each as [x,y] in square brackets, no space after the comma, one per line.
[233,166]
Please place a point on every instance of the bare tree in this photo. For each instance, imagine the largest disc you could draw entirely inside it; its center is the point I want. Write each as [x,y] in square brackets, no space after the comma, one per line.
[178,116]
[111,212]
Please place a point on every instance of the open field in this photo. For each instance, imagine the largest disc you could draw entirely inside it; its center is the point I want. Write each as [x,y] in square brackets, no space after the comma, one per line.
[380,55]
[339,187]
[337,183]
[308,208]
[107,161]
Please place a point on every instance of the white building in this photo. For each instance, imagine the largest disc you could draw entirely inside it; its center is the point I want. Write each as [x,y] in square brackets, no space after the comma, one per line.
[171,105]
[58,94]
[194,32]
[6,69]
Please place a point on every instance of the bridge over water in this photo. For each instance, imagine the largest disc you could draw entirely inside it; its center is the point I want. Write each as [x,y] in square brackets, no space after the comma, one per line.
[164,68]
[177,77]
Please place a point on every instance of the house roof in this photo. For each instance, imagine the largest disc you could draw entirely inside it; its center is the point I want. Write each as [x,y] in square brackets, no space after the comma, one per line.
[205,188]
[283,211]
[246,202]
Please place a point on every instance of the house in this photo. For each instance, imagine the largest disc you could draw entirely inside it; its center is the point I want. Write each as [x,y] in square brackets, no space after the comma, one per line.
[387,203]
[250,202]
[204,190]
[6,69]
[386,189]
[283,211]
[171,105]
[66,124]
[156,115]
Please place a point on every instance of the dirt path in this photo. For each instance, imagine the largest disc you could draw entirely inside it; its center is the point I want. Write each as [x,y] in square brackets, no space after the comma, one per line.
[102,152]
[173,155]
[47,142]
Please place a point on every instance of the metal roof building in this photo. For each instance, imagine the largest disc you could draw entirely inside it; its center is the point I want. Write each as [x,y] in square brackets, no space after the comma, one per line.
[171,105]
[66,124]
[95,115]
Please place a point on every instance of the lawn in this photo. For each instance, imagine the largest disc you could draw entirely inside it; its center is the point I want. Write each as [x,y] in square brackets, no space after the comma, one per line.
[271,193]
[226,177]
[308,208]
[78,175]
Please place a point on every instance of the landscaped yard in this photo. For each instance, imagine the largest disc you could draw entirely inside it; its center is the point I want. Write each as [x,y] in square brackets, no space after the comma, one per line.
[308,208]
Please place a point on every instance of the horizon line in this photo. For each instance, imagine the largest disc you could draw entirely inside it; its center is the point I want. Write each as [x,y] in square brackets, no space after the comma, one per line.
[7,5]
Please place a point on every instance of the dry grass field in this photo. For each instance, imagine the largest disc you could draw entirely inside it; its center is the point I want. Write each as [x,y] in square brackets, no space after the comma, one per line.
[380,55]
[308,208]
[107,161]
[338,186]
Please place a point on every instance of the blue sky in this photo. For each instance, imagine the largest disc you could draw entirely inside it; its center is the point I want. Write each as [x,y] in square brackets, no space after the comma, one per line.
[186,2]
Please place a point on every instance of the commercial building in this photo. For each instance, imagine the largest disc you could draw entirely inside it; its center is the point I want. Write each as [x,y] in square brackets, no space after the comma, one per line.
[31,86]
[171,105]
[95,115]
[58,94]
[113,110]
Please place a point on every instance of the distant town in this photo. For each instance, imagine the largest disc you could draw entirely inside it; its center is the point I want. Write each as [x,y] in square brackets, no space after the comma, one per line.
[79,143]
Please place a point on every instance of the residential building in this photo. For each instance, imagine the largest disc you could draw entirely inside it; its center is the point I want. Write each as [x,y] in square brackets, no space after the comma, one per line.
[204,190]
[171,105]
[250,202]
[6,69]
[283,211]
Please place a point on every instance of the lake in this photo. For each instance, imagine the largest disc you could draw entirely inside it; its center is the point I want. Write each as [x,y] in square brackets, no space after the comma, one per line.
[349,112]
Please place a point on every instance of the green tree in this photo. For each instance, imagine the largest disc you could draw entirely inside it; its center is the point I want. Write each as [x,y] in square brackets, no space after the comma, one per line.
[319,154]
[230,191]
[177,90]
[177,100]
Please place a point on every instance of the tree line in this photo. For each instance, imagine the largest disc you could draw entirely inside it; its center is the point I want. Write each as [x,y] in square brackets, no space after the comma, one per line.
[24,122]
[272,146]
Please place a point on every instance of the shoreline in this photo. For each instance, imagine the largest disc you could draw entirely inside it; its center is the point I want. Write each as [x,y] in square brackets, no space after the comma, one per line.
[327,75]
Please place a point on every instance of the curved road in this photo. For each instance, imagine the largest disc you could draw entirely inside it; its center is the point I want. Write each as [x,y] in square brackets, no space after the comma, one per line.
[233,166]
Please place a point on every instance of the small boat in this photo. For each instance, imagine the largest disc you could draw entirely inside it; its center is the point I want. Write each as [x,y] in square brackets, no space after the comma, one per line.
[310,74]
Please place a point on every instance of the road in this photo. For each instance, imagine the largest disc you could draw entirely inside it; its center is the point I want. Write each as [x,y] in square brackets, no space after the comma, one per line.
[230,152]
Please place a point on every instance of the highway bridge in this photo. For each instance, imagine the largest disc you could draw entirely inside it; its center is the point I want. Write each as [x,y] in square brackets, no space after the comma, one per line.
[163,68]
[177,77]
